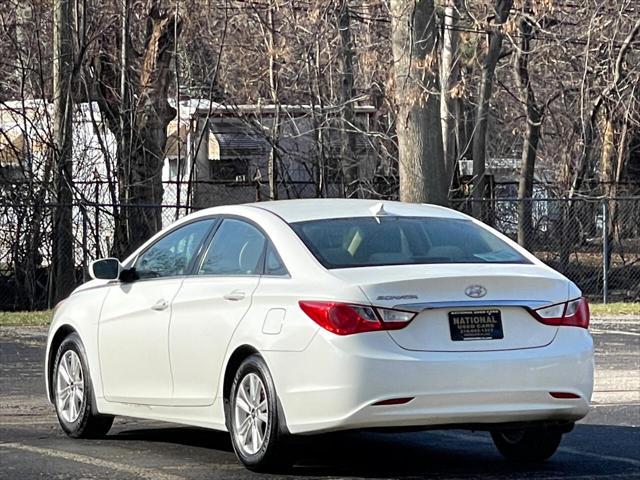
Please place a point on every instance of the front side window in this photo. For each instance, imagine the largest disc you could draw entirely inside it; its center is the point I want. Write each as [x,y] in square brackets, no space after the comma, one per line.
[237,248]
[172,254]
[367,241]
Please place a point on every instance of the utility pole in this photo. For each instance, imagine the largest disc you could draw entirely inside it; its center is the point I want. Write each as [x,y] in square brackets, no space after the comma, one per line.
[62,265]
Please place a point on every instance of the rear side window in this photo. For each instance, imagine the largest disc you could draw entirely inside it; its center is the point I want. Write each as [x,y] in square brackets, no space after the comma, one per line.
[367,241]
[237,248]
[272,264]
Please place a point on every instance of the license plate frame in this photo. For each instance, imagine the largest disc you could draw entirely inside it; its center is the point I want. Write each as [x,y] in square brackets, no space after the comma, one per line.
[476,324]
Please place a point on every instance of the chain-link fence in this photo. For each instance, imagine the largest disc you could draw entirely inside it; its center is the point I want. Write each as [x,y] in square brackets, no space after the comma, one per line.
[594,242]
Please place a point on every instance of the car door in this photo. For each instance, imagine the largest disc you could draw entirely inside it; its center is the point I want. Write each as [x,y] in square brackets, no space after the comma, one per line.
[209,306]
[133,336]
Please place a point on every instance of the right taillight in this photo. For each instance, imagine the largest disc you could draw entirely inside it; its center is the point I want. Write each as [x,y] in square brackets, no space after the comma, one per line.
[346,318]
[574,313]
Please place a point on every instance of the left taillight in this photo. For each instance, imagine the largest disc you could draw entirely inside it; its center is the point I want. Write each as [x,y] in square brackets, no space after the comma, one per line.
[574,313]
[347,319]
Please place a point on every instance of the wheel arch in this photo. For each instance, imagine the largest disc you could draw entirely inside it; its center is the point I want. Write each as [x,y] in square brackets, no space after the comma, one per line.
[239,355]
[61,333]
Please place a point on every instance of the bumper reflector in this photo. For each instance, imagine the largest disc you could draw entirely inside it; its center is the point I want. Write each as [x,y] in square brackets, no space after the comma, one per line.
[563,395]
[394,401]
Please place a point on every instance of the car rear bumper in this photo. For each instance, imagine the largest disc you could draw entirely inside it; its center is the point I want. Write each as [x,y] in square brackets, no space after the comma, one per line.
[334,383]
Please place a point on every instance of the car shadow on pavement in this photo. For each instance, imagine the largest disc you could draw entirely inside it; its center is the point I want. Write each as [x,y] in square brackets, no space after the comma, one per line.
[186,436]
[588,450]
[373,455]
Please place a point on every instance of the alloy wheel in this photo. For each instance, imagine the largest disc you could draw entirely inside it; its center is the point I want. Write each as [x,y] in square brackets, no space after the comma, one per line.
[70,387]
[251,414]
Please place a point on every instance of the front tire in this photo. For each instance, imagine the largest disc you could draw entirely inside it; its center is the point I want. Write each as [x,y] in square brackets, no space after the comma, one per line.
[73,392]
[253,417]
[528,445]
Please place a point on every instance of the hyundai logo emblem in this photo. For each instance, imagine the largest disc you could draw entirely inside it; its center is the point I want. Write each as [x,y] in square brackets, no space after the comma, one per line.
[475,291]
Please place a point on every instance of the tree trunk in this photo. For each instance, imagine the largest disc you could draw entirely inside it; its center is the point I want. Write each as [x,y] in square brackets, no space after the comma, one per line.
[348,155]
[63,279]
[140,128]
[449,78]
[274,84]
[494,50]
[121,235]
[421,165]
[525,184]
[533,116]
[606,156]
[151,118]
[607,175]
[615,228]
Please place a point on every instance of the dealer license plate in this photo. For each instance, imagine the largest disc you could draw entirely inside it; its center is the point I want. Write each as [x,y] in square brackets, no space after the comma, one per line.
[475,325]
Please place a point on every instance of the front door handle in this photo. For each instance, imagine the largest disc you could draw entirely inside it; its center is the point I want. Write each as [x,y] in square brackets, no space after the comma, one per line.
[161,304]
[235,296]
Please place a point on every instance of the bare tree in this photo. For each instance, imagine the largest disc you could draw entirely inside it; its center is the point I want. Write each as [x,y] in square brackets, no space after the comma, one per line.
[63,278]
[421,165]
[272,46]
[348,153]
[585,164]
[495,36]
[141,149]
[531,136]
[449,78]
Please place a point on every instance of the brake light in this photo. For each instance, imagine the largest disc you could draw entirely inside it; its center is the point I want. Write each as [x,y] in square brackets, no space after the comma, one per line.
[574,313]
[346,318]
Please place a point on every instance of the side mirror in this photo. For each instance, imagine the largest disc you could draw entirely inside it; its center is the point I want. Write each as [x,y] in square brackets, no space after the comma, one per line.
[105,269]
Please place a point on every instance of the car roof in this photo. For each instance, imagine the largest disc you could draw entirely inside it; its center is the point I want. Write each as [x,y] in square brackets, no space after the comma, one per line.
[301,210]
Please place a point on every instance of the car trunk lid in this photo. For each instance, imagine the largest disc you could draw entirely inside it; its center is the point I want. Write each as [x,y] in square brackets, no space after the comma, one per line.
[497,295]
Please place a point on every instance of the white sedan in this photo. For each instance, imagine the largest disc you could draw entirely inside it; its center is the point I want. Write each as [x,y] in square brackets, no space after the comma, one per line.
[277,319]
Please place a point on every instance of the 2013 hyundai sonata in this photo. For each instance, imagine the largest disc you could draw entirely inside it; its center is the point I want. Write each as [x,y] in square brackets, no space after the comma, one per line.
[276,319]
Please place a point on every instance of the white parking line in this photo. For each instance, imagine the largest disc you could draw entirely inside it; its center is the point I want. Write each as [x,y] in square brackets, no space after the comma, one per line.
[141,472]
[572,451]
[25,423]
[599,456]
[617,332]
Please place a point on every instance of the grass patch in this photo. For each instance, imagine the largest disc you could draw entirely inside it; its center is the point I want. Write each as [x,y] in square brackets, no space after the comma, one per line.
[23,319]
[616,308]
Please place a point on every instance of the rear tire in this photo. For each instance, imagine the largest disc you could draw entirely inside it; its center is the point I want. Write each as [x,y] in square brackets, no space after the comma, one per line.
[528,445]
[73,392]
[254,423]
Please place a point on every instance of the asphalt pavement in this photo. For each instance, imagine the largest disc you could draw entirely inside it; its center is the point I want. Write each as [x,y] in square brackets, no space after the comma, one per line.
[605,445]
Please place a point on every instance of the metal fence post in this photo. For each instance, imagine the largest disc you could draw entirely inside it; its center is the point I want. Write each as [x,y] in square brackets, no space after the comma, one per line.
[605,251]
[85,232]
[96,221]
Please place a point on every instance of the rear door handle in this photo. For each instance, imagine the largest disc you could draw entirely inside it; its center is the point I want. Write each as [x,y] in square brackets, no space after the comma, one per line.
[161,304]
[235,296]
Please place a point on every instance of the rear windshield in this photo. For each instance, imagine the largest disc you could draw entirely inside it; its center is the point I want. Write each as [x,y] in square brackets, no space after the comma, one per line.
[369,241]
